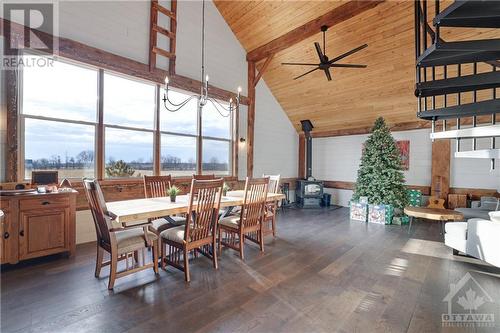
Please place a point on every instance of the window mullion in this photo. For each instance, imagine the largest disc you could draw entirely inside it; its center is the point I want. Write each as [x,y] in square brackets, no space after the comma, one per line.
[199,141]
[157,137]
[100,126]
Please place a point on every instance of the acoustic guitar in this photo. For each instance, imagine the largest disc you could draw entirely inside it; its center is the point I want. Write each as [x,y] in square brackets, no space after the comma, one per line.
[435,201]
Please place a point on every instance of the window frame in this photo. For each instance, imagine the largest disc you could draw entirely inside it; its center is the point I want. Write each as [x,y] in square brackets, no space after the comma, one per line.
[100,126]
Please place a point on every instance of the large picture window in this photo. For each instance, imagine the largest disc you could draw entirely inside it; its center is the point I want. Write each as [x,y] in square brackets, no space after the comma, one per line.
[67,107]
[129,113]
[216,128]
[59,112]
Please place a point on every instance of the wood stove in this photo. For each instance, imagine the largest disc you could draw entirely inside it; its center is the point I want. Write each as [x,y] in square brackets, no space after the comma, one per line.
[309,191]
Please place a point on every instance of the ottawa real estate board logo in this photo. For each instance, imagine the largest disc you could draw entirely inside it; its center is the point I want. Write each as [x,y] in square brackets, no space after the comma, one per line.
[29,29]
[469,305]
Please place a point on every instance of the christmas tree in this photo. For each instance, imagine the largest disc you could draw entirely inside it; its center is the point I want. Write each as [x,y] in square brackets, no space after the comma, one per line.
[380,174]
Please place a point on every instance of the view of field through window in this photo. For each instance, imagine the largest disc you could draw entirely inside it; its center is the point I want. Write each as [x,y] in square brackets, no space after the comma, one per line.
[60,130]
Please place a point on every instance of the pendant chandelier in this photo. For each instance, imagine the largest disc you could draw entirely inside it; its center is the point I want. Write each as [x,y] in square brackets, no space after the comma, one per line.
[203,97]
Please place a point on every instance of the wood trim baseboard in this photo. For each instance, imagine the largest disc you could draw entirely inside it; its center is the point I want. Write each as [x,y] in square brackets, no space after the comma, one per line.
[474,193]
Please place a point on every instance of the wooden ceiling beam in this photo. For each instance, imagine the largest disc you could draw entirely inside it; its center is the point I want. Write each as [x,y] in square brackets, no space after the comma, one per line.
[262,70]
[334,17]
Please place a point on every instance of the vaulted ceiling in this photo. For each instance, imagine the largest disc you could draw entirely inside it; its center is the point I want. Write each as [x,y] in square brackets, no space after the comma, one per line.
[355,97]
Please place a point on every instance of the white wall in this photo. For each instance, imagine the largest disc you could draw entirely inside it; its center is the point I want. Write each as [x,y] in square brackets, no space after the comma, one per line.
[474,173]
[276,140]
[338,159]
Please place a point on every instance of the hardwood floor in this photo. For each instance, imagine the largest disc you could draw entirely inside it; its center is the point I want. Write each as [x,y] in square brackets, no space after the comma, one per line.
[322,274]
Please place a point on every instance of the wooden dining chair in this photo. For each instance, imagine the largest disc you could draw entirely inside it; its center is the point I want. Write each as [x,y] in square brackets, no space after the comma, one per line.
[248,224]
[120,243]
[155,187]
[204,177]
[199,234]
[269,225]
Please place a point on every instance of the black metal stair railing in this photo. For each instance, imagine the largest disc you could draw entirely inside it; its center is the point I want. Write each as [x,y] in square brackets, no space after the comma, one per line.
[434,54]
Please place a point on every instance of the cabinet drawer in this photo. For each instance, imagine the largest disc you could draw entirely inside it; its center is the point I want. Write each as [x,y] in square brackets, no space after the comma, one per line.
[37,203]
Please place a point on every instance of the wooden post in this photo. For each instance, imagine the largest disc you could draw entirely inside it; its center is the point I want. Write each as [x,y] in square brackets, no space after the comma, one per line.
[440,175]
[12,167]
[302,156]
[236,139]
[251,117]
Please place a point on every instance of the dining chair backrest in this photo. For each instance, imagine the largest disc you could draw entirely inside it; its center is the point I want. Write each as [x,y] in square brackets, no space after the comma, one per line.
[254,201]
[203,210]
[274,183]
[204,177]
[100,214]
[156,186]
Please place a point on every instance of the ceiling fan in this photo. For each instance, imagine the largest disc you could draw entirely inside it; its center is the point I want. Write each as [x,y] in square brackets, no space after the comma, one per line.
[325,64]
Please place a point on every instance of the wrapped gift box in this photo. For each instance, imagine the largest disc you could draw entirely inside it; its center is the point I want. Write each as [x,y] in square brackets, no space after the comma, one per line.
[381,214]
[358,211]
[414,198]
[400,220]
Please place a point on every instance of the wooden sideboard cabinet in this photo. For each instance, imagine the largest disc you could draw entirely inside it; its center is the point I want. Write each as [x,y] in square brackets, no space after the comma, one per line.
[36,225]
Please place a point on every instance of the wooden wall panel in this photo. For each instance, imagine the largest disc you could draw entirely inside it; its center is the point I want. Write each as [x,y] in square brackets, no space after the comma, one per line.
[440,173]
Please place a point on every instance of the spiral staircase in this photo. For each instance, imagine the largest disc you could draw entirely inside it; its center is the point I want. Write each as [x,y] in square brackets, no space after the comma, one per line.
[457,81]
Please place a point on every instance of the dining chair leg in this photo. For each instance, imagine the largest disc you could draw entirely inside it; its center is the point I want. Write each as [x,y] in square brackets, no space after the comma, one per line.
[242,238]
[160,248]
[163,255]
[98,261]
[261,240]
[155,256]
[186,265]
[274,225]
[112,270]
[220,242]
[214,253]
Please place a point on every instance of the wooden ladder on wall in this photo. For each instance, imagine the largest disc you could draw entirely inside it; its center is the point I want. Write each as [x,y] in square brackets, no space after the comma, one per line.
[170,33]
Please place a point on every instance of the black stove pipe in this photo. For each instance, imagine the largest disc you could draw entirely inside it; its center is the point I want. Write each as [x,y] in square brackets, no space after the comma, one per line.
[307,127]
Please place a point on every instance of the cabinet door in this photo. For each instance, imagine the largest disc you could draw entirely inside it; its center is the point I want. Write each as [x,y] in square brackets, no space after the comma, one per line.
[7,236]
[43,232]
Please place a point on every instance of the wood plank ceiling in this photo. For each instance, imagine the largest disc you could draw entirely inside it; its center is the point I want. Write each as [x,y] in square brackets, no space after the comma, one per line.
[355,97]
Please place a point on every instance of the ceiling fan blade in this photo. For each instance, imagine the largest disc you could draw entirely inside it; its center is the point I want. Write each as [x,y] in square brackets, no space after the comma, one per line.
[298,63]
[348,65]
[312,70]
[342,56]
[318,50]
[328,75]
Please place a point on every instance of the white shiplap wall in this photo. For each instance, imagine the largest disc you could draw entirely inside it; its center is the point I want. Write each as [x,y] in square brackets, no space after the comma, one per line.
[338,159]
[474,173]
[122,28]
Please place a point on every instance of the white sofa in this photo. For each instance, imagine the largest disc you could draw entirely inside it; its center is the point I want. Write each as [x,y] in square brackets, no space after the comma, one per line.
[478,238]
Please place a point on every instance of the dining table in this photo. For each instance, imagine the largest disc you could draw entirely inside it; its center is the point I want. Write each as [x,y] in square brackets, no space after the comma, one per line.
[129,211]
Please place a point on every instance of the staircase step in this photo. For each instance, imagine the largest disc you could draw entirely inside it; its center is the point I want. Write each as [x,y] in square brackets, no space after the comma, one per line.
[458,84]
[470,132]
[448,53]
[482,153]
[471,14]
[465,110]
